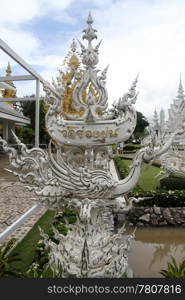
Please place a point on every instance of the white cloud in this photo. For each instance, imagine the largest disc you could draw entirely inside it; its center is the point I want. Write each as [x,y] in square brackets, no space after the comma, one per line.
[145,36]
[49,61]
[57,5]
[18,11]
[24,42]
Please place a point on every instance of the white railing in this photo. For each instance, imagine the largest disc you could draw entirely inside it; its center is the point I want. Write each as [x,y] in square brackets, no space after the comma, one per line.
[8,231]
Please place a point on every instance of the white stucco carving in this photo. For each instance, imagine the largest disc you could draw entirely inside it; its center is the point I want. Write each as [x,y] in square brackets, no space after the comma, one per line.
[75,171]
[173,162]
[89,249]
[93,127]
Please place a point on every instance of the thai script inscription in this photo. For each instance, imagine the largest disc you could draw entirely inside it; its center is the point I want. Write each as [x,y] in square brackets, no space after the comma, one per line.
[90,134]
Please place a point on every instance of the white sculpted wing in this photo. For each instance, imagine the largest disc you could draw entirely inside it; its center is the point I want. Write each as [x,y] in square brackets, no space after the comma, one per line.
[50,177]
[31,163]
[83,182]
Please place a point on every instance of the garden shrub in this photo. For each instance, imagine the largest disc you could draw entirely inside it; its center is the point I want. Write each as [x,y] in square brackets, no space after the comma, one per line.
[27,135]
[174,270]
[6,259]
[39,267]
[129,151]
[68,215]
[128,148]
[132,147]
[172,183]
[122,167]
[160,198]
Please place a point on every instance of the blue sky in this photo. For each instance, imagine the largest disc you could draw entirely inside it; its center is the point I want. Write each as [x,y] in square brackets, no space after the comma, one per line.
[141,35]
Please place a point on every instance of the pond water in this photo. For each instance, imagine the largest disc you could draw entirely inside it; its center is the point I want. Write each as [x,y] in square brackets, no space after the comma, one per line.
[151,250]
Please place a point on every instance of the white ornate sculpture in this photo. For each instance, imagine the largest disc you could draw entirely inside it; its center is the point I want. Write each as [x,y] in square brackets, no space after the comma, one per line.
[91,126]
[176,111]
[89,250]
[173,162]
[176,117]
[77,174]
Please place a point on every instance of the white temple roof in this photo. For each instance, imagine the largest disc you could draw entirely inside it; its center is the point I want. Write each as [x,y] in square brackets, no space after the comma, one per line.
[9,113]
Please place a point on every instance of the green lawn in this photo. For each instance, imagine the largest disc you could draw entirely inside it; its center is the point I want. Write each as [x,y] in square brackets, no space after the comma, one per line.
[26,248]
[148,180]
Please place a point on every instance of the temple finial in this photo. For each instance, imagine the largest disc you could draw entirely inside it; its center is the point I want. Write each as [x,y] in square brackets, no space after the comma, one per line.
[162,118]
[180,92]
[8,70]
[180,82]
[89,32]
[155,117]
[7,92]
[73,46]
[89,54]
[89,19]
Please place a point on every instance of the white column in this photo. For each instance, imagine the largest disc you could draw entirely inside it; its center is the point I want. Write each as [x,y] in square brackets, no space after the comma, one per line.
[37,113]
[11,127]
[5,130]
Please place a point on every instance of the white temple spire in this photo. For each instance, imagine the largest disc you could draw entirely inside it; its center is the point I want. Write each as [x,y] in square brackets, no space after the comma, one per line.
[156,121]
[155,117]
[89,19]
[162,119]
[180,92]
[162,114]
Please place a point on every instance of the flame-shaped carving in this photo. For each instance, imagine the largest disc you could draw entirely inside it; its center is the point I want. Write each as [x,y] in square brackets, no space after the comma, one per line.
[96,253]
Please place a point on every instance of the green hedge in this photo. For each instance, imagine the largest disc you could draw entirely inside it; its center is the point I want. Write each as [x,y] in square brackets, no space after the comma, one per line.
[128,148]
[122,167]
[68,215]
[31,249]
[172,183]
[26,249]
[132,147]
[41,254]
[129,151]
[160,198]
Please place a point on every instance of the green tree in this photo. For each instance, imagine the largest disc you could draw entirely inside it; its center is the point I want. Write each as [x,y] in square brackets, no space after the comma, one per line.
[27,133]
[141,124]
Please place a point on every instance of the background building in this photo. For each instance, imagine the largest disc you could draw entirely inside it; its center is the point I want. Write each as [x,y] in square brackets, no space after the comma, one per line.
[11,117]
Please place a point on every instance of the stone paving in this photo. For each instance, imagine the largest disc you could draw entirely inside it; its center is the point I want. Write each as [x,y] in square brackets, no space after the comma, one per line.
[15,200]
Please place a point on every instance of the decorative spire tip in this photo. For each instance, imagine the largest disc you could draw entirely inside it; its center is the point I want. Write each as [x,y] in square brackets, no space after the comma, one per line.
[89,19]
[8,69]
